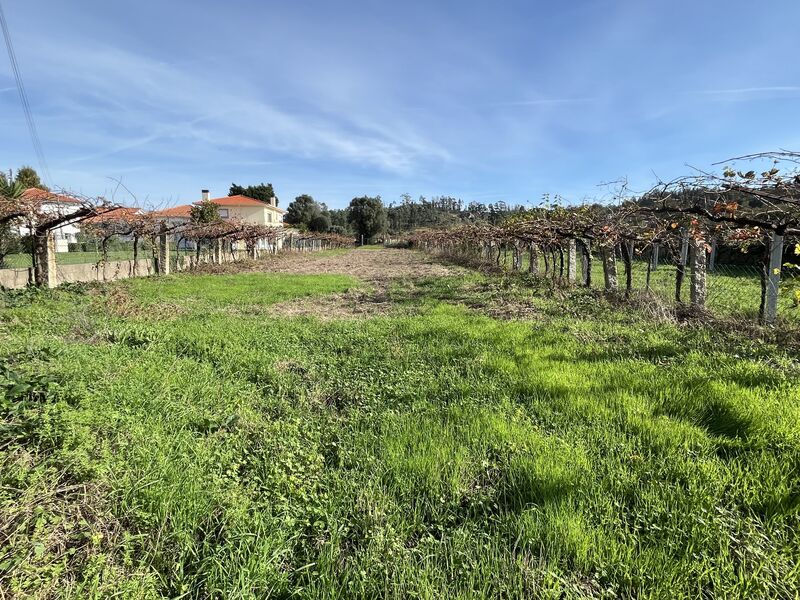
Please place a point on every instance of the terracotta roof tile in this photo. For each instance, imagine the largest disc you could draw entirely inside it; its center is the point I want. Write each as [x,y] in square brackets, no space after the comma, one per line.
[123,212]
[175,211]
[45,196]
[240,200]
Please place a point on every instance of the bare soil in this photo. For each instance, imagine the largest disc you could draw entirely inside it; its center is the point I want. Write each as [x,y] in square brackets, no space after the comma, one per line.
[372,266]
[375,267]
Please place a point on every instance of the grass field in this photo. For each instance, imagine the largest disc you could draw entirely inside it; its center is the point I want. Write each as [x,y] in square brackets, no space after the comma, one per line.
[473,438]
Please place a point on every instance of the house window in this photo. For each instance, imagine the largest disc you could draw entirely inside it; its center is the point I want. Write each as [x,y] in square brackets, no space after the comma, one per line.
[223,213]
[269,217]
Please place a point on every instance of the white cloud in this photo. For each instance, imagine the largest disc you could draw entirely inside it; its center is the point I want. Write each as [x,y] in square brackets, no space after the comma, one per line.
[749,90]
[133,93]
[545,102]
[747,94]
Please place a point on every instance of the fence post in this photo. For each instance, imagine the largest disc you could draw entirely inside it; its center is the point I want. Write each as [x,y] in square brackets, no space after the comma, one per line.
[533,266]
[697,293]
[517,264]
[684,246]
[680,271]
[44,273]
[773,278]
[572,258]
[654,264]
[586,262]
[712,257]
[163,253]
[610,269]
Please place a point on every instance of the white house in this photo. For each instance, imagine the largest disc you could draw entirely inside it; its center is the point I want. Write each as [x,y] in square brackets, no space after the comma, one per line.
[54,204]
[240,208]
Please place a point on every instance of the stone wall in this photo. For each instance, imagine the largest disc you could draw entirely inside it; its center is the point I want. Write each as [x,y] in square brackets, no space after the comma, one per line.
[13,279]
[110,271]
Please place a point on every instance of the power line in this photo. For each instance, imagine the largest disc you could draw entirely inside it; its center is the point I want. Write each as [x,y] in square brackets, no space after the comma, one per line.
[23,97]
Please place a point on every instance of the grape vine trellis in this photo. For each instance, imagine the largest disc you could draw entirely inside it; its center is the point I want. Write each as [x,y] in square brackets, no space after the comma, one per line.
[682,219]
[43,213]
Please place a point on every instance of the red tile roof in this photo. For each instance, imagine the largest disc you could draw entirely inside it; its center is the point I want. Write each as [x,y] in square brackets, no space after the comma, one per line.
[123,212]
[45,196]
[183,210]
[240,200]
[175,211]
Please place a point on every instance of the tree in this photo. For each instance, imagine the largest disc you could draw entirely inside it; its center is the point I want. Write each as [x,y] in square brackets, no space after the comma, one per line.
[27,177]
[204,212]
[263,192]
[367,216]
[10,242]
[320,224]
[302,211]
[10,190]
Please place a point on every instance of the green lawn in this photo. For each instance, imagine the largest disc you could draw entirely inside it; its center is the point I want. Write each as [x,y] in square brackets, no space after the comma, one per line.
[431,452]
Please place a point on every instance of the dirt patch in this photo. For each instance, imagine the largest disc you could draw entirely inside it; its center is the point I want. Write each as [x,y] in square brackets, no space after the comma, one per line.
[378,268]
[349,305]
[374,266]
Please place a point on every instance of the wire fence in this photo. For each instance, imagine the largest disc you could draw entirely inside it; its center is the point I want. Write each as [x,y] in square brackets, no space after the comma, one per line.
[733,291]
[89,252]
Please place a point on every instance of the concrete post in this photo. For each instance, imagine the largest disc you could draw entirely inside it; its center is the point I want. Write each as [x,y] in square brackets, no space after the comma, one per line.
[656,247]
[533,256]
[572,260]
[517,259]
[697,293]
[680,271]
[163,253]
[773,278]
[44,273]
[684,246]
[712,257]
[586,263]
[216,252]
[610,269]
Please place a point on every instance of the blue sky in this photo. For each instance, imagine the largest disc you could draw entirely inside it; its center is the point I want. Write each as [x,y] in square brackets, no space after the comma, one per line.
[484,100]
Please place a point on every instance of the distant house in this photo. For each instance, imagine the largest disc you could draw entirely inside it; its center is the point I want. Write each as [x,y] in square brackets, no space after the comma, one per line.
[177,215]
[240,208]
[54,204]
[113,220]
[248,210]
[174,217]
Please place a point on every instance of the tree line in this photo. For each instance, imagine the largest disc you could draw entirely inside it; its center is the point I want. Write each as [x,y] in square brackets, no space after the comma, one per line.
[369,217]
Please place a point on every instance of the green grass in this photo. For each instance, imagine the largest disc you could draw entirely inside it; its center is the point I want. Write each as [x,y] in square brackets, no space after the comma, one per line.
[432,452]
[199,293]
[21,261]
